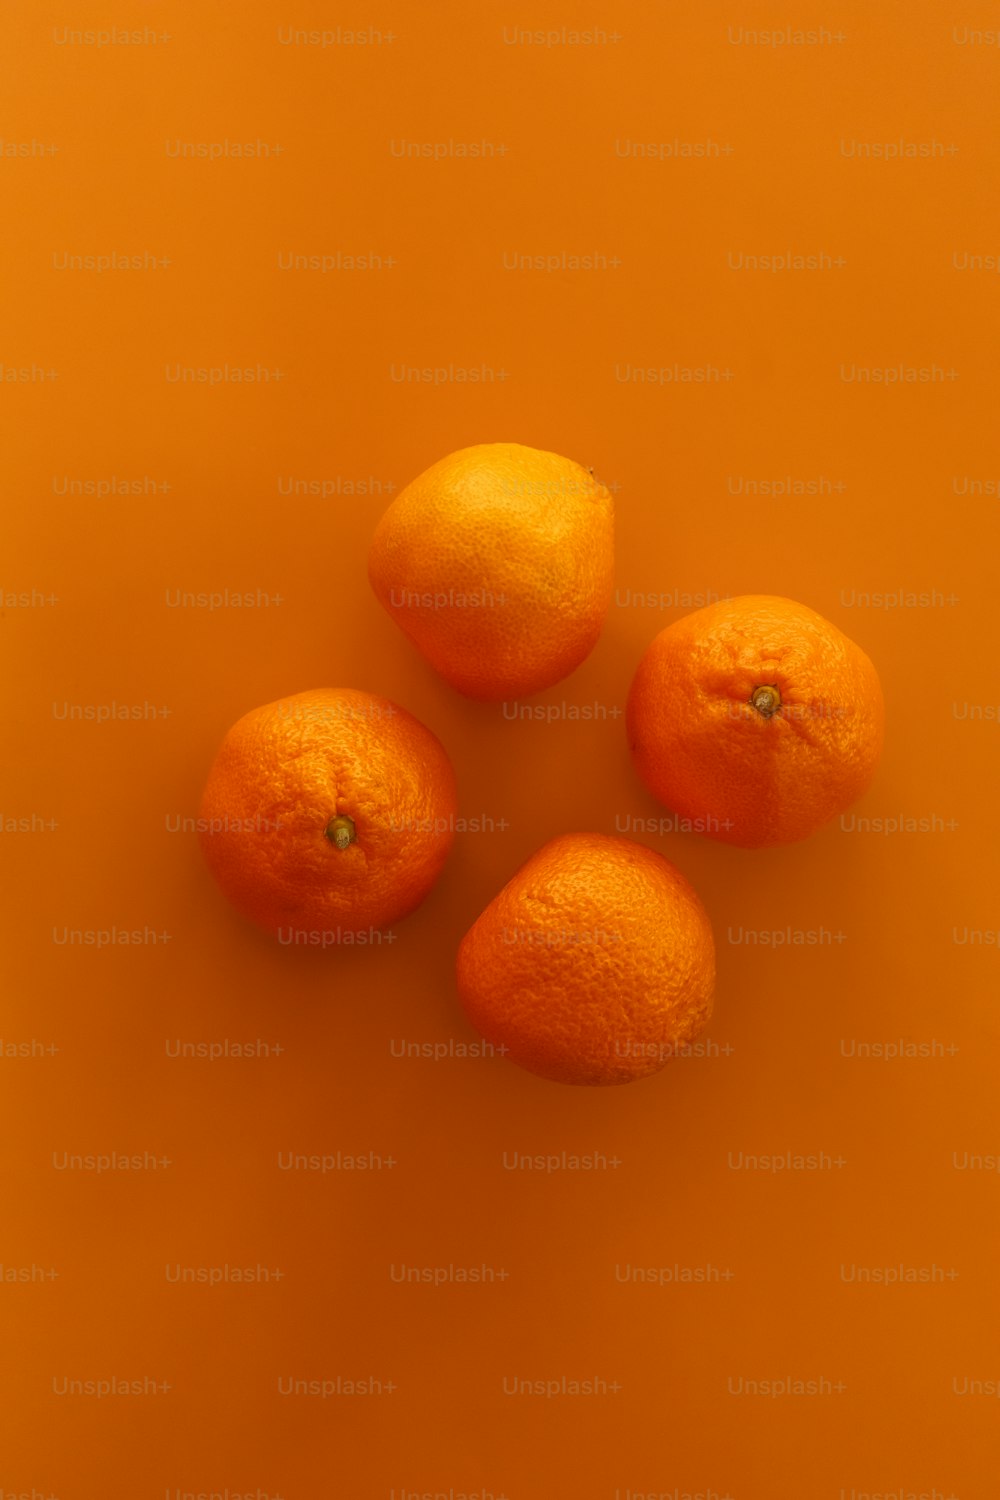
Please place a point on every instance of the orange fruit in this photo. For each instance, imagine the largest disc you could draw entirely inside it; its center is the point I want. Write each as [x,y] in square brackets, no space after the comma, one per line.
[757,718]
[595,964]
[327,815]
[497,562]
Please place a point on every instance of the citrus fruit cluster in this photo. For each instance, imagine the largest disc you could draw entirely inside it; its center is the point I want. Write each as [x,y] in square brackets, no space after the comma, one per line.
[596,962]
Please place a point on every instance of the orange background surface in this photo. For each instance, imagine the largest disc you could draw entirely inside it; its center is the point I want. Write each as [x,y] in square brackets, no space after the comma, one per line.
[893,492]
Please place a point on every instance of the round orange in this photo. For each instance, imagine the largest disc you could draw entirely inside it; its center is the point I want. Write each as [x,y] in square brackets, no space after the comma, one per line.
[497,562]
[594,965]
[756,719]
[327,815]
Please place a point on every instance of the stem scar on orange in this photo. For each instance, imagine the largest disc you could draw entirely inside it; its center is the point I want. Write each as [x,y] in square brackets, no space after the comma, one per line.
[498,562]
[756,717]
[594,965]
[328,813]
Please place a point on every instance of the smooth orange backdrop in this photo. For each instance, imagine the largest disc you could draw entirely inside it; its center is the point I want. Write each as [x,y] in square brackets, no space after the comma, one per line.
[896,492]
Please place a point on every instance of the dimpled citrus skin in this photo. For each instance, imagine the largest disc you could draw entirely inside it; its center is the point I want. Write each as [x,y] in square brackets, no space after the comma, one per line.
[594,963]
[527,535]
[285,770]
[704,751]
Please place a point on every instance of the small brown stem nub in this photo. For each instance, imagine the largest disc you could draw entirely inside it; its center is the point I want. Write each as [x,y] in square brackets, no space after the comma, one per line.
[766,700]
[340,831]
